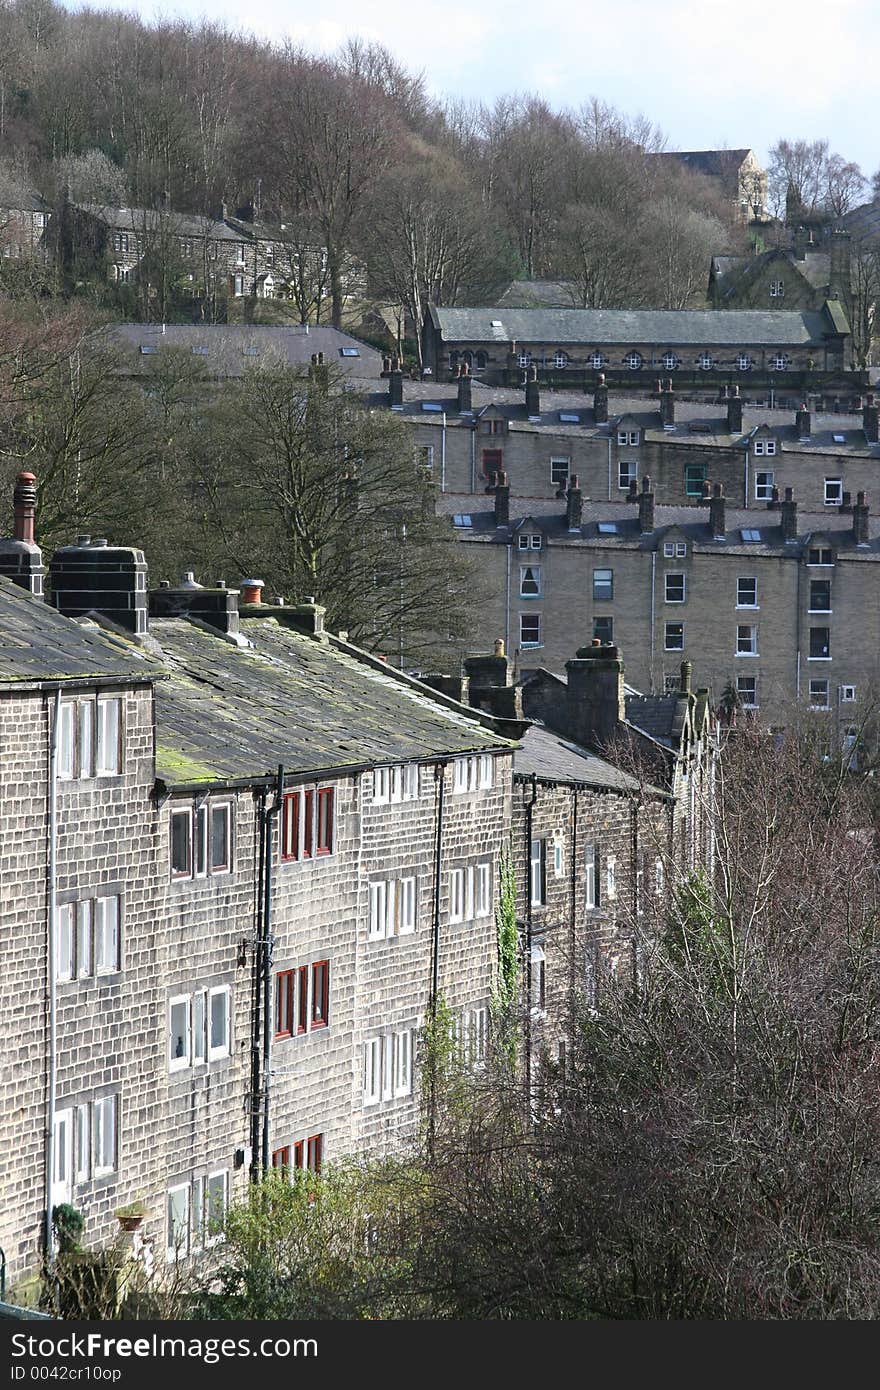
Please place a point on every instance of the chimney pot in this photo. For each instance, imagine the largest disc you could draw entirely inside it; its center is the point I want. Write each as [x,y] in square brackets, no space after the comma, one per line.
[687,671]
[83,540]
[499,646]
[164,583]
[251,590]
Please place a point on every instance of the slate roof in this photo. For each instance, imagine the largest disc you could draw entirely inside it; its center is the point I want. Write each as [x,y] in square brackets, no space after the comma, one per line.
[538,294]
[653,714]
[151,219]
[625,327]
[861,222]
[232,714]
[692,523]
[38,644]
[228,344]
[714,163]
[555,759]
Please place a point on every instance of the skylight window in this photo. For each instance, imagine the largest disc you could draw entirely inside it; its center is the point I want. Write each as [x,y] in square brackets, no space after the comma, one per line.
[839,438]
[496,323]
[431,405]
[200,350]
[349,352]
[568,419]
[462,519]
[249,351]
[607,528]
[751,535]
[148,347]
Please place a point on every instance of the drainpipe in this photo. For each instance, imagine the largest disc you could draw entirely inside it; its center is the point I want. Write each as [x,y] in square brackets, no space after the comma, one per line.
[440,780]
[507,599]
[609,466]
[268,943]
[572,877]
[637,895]
[473,458]
[256,1023]
[653,607]
[443,455]
[52,968]
[746,478]
[528,1009]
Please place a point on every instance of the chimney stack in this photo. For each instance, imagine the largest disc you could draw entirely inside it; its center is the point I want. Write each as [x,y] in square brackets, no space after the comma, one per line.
[465,390]
[502,500]
[21,559]
[773,504]
[839,279]
[217,606]
[870,421]
[395,385]
[667,405]
[802,422]
[788,516]
[845,502]
[595,706]
[574,506]
[92,576]
[716,513]
[646,507]
[600,401]
[860,519]
[533,392]
[488,684]
[734,412]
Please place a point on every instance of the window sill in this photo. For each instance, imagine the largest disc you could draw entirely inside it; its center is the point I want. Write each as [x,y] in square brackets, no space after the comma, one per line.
[748,607]
[748,654]
[820,612]
[526,597]
[819,658]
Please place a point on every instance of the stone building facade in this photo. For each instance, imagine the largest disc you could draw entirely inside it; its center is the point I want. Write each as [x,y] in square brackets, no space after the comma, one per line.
[824,447]
[704,347]
[376,852]
[773,604]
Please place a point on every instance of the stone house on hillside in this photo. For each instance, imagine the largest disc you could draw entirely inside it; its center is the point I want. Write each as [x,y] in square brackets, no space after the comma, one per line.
[220,816]
[737,173]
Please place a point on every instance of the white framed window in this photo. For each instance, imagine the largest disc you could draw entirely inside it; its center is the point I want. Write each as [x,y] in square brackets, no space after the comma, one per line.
[590,876]
[218,1022]
[780,362]
[558,857]
[747,690]
[200,840]
[705,361]
[819,694]
[833,492]
[659,876]
[777,289]
[764,448]
[820,555]
[372,1071]
[847,693]
[378,897]
[743,362]
[456,895]
[104,1113]
[107,935]
[633,360]
[407,905]
[402,1064]
[560,358]
[559,470]
[597,360]
[669,361]
[109,729]
[673,637]
[411,782]
[216,1198]
[89,738]
[65,937]
[179,1032]
[674,587]
[84,938]
[530,629]
[486,771]
[764,485]
[381,785]
[611,878]
[628,439]
[83,1141]
[627,472]
[200,1027]
[529,581]
[747,591]
[668,550]
[177,1240]
[475,773]
[538,872]
[483,890]
[525,359]
[746,639]
[820,596]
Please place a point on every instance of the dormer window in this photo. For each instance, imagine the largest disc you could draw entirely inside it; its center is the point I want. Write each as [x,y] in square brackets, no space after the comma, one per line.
[765,446]
[628,439]
[493,427]
[777,289]
[820,555]
[529,542]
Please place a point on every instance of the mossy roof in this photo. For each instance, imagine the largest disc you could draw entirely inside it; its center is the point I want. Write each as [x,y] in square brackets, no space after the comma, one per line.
[38,644]
[232,714]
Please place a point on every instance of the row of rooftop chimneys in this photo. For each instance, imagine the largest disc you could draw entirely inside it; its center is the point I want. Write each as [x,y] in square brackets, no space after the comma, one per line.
[93,576]
[664,390]
[713,496]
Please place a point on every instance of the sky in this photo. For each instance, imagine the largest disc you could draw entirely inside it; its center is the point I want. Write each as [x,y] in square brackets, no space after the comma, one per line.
[737,73]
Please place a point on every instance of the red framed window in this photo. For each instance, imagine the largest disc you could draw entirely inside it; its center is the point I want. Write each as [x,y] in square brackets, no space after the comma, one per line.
[298,1154]
[285,986]
[320,993]
[308,823]
[290,826]
[302,1014]
[325,821]
[281,1158]
[315,1152]
[492,463]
